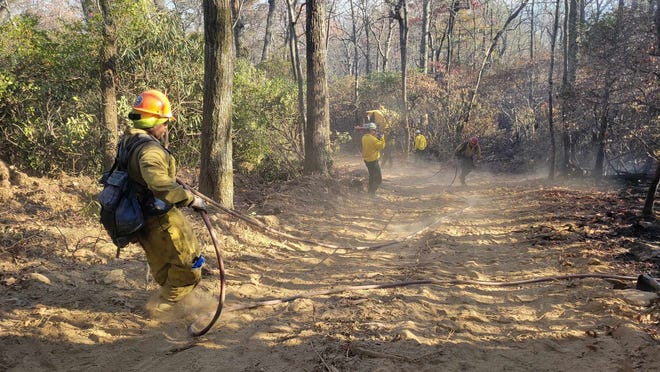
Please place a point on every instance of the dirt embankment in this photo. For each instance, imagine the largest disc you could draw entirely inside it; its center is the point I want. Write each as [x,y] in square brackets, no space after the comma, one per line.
[67,304]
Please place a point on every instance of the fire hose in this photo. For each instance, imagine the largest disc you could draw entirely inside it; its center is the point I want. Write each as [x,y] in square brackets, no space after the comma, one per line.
[221,267]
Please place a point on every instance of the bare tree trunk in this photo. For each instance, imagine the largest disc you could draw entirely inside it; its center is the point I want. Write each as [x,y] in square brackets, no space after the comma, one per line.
[568,81]
[108,90]
[216,177]
[532,72]
[604,122]
[356,66]
[551,125]
[473,98]
[438,50]
[297,66]
[450,36]
[368,65]
[268,37]
[383,51]
[610,79]
[424,40]
[317,131]
[238,26]
[401,15]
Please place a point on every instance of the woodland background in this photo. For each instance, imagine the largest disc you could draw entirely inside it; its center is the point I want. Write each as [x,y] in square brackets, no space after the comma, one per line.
[572,83]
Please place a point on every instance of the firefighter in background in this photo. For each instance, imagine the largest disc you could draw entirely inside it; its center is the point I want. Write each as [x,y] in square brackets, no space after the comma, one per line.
[420,146]
[372,143]
[467,153]
[378,117]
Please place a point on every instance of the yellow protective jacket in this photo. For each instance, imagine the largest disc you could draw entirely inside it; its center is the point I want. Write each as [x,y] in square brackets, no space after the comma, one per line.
[153,166]
[420,142]
[371,147]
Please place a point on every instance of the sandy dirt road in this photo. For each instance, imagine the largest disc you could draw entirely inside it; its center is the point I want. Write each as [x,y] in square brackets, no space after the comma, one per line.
[68,305]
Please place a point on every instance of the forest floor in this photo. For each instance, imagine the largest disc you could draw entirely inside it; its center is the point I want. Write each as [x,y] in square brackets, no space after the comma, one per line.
[67,304]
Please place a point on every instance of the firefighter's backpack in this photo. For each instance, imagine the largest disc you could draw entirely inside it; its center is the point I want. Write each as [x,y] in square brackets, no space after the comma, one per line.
[121,213]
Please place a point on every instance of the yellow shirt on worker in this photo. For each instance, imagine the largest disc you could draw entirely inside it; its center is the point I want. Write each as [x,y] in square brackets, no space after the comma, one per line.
[371,147]
[420,142]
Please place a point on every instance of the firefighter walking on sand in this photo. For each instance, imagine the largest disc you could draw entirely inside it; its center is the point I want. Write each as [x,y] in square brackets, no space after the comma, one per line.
[420,146]
[168,240]
[371,146]
[467,153]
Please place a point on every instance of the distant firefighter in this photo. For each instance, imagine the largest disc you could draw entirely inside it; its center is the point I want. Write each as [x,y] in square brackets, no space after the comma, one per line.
[467,153]
[372,143]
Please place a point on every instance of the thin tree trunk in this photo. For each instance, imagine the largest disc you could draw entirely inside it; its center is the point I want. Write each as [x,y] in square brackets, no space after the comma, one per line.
[356,66]
[317,131]
[368,64]
[568,80]
[450,36]
[297,66]
[401,15]
[424,39]
[473,98]
[216,177]
[108,90]
[551,126]
[268,37]
[238,26]
[604,122]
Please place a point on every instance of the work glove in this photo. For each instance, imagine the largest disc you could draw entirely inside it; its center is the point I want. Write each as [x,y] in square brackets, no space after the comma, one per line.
[198,204]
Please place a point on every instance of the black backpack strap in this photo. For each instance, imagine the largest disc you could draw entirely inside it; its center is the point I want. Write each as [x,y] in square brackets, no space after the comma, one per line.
[124,154]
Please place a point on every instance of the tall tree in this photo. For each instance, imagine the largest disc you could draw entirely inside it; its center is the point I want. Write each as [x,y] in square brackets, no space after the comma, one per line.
[317,130]
[356,64]
[424,39]
[450,33]
[383,42]
[366,17]
[238,26]
[216,177]
[268,36]
[568,81]
[475,91]
[401,15]
[108,90]
[296,65]
[551,125]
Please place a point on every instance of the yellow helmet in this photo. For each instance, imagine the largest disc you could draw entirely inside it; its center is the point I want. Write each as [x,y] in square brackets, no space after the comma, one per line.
[151,108]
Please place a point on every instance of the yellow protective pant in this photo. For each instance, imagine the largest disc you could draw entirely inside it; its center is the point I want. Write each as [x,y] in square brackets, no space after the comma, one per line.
[170,245]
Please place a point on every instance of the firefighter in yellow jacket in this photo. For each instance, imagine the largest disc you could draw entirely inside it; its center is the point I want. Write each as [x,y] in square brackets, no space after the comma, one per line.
[371,146]
[168,240]
[420,145]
